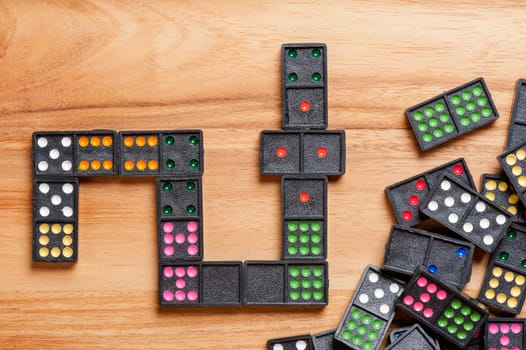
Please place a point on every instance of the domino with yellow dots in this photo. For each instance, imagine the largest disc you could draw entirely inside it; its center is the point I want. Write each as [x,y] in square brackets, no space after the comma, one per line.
[513,163]
[497,189]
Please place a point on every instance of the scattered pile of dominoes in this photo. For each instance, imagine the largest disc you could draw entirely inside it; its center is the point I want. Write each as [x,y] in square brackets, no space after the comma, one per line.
[424,271]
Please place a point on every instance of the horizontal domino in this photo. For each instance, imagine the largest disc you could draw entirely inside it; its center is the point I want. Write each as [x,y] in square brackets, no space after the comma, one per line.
[405,196]
[184,283]
[413,337]
[370,312]
[497,189]
[168,152]
[302,152]
[517,128]
[452,114]
[505,333]
[286,283]
[80,153]
[304,86]
[300,342]
[55,219]
[409,249]
[304,217]
[180,219]
[504,286]
[467,213]
[442,308]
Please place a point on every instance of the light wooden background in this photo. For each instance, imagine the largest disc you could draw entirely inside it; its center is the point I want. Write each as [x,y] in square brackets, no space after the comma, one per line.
[77,65]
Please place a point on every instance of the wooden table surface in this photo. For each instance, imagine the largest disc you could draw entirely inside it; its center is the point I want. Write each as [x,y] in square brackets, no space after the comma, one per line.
[124,65]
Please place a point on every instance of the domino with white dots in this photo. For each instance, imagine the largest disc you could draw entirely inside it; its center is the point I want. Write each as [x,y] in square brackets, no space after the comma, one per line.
[300,342]
[371,310]
[467,213]
[53,154]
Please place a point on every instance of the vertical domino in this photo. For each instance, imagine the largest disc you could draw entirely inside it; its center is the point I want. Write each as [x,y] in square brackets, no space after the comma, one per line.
[370,312]
[55,219]
[406,195]
[200,283]
[504,286]
[467,213]
[179,209]
[498,190]
[513,162]
[304,202]
[304,86]
[517,128]
[452,114]
[449,314]
[409,249]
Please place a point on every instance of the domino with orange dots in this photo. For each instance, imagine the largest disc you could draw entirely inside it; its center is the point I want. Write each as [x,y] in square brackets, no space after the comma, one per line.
[153,153]
[90,153]
[302,152]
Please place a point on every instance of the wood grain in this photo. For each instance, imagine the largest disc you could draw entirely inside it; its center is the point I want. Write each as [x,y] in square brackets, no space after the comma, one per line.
[122,65]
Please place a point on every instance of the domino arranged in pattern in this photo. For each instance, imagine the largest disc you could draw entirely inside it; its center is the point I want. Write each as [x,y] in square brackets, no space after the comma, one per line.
[452,114]
[55,219]
[498,190]
[86,153]
[406,196]
[304,86]
[517,128]
[409,249]
[443,309]
[504,286]
[467,213]
[370,312]
[505,333]
[286,283]
[302,152]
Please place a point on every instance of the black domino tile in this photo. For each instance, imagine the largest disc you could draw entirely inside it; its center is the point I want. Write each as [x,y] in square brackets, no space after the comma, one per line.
[179,198]
[304,239]
[406,195]
[449,115]
[300,342]
[499,190]
[286,283]
[53,154]
[95,153]
[302,152]
[517,128]
[505,333]
[504,287]
[325,341]
[440,307]
[409,249]
[304,86]
[200,283]
[180,240]
[414,338]
[75,153]
[167,153]
[55,219]
[513,163]
[466,212]
[370,312]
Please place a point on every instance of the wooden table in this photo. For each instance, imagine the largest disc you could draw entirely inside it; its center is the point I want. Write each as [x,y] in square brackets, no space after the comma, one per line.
[128,65]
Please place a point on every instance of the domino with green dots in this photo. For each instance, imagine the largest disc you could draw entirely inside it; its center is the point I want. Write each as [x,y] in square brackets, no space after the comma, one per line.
[451,114]
[370,312]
